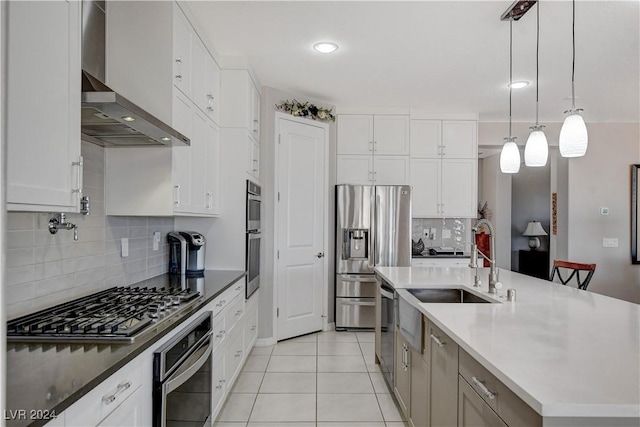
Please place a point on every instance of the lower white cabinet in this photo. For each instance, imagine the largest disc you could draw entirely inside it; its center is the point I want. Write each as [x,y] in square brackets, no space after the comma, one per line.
[219,381]
[253,158]
[116,398]
[130,413]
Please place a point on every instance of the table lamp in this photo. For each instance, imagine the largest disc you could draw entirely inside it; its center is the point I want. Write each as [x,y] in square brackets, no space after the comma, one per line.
[534,229]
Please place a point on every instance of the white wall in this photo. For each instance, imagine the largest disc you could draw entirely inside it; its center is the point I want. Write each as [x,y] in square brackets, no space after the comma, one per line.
[496,190]
[601,178]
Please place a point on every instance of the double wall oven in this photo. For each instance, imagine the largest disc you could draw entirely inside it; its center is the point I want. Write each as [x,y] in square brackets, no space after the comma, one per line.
[253,237]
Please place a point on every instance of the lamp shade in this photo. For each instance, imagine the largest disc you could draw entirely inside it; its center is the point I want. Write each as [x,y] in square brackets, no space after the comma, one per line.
[510,157]
[534,228]
[573,136]
[536,151]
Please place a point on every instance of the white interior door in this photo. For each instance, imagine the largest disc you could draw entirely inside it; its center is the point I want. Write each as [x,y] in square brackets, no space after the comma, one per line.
[300,240]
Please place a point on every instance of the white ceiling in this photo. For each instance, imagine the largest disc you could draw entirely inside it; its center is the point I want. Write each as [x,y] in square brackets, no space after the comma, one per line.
[439,56]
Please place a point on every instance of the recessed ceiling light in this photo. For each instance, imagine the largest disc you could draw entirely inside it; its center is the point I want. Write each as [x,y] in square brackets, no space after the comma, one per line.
[519,85]
[128,119]
[325,47]
[165,138]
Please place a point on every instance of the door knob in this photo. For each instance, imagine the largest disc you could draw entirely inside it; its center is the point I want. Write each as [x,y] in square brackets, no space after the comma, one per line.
[320,255]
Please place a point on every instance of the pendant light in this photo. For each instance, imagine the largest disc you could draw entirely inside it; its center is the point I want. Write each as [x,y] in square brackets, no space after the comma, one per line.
[536,152]
[573,135]
[510,155]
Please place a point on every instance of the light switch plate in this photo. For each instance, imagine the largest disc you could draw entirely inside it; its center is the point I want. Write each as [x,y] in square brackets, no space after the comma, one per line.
[610,242]
[604,210]
[124,246]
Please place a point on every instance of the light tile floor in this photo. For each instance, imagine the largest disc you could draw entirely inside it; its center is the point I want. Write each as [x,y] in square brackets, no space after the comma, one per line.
[326,379]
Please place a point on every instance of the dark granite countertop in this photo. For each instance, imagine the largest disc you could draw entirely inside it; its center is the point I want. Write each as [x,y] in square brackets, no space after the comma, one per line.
[53,376]
[426,254]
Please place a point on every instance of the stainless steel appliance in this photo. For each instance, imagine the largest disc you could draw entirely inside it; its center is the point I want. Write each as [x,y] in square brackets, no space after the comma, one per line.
[116,315]
[107,117]
[389,302]
[373,228]
[253,238]
[186,253]
[182,377]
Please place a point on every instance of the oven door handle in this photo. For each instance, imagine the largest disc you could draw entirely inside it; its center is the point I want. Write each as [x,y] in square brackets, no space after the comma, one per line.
[386,294]
[190,366]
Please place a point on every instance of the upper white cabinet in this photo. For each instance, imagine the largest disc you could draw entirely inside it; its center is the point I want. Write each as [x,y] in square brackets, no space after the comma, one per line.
[373,149]
[373,134]
[240,102]
[444,163]
[44,168]
[454,139]
[162,181]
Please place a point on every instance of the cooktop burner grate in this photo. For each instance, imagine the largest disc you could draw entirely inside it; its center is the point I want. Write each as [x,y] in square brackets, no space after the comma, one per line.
[115,315]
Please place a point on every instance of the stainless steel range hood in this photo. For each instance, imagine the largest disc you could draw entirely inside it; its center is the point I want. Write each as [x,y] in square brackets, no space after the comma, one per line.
[108,118]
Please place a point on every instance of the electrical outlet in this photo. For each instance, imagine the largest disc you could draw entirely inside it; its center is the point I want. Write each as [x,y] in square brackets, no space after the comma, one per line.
[425,233]
[446,233]
[604,210]
[156,240]
[609,242]
[124,246]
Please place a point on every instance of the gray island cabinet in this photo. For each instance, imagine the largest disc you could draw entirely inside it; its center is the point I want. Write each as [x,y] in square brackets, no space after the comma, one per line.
[522,363]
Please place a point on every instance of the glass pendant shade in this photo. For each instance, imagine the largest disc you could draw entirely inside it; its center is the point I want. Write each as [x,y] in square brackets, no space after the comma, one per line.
[573,136]
[536,152]
[510,157]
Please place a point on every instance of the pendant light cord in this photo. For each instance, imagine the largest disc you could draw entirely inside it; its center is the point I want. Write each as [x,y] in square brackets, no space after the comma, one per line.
[537,54]
[573,60]
[510,69]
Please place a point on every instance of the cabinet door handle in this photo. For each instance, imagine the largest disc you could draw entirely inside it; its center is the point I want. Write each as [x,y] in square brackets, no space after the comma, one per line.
[177,195]
[79,171]
[437,340]
[253,328]
[238,288]
[374,145]
[483,388]
[209,200]
[112,397]
[442,153]
[370,145]
[179,69]
[238,313]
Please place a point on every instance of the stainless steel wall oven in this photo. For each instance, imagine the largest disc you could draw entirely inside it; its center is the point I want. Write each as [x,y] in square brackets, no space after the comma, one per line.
[253,238]
[182,375]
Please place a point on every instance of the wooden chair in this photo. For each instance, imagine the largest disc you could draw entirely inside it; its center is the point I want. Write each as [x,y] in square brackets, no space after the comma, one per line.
[575,269]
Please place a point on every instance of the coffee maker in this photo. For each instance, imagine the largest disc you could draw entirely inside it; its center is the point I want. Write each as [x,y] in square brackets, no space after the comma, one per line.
[186,253]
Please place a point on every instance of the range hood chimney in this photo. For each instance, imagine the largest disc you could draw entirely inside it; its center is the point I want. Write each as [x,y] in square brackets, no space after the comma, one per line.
[108,118]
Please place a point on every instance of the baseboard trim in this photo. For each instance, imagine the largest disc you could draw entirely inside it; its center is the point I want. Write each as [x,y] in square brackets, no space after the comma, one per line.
[265,342]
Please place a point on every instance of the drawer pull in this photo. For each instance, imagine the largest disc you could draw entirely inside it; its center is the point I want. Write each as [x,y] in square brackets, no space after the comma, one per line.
[221,303]
[112,397]
[221,334]
[239,313]
[218,387]
[437,340]
[239,288]
[488,393]
[253,328]
[238,353]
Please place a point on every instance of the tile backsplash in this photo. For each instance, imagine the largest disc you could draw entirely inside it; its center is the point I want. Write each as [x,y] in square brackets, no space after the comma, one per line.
[44,269]
[459,229]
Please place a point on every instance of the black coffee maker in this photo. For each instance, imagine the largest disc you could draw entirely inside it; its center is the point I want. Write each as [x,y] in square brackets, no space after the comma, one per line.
[186,253]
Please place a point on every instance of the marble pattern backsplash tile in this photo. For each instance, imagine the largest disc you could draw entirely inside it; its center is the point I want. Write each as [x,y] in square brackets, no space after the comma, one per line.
[44,269]
[459,230]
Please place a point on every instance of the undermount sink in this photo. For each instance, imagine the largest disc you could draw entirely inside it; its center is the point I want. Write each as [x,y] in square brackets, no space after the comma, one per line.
[449,295]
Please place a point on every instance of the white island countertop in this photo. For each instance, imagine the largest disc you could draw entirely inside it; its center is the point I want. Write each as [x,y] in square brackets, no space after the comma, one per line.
[569,354]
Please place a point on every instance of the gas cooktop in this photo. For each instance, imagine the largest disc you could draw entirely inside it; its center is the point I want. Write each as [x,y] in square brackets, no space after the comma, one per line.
[116,315]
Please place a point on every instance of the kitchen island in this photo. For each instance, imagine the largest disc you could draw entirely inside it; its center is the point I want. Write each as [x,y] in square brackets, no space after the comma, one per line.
[572,356]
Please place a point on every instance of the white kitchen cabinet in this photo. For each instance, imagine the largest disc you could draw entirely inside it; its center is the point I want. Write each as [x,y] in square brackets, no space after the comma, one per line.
[182,53]
[373,170]
[44,168]
[240,102]
[105,404]
[425,180]
[373,134]
[455,139]
[166,181]
[373,149]
[251,322]
[444,187]
[219,381]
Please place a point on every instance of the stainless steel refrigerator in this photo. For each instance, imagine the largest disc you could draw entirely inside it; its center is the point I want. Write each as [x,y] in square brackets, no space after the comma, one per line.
[373,228]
